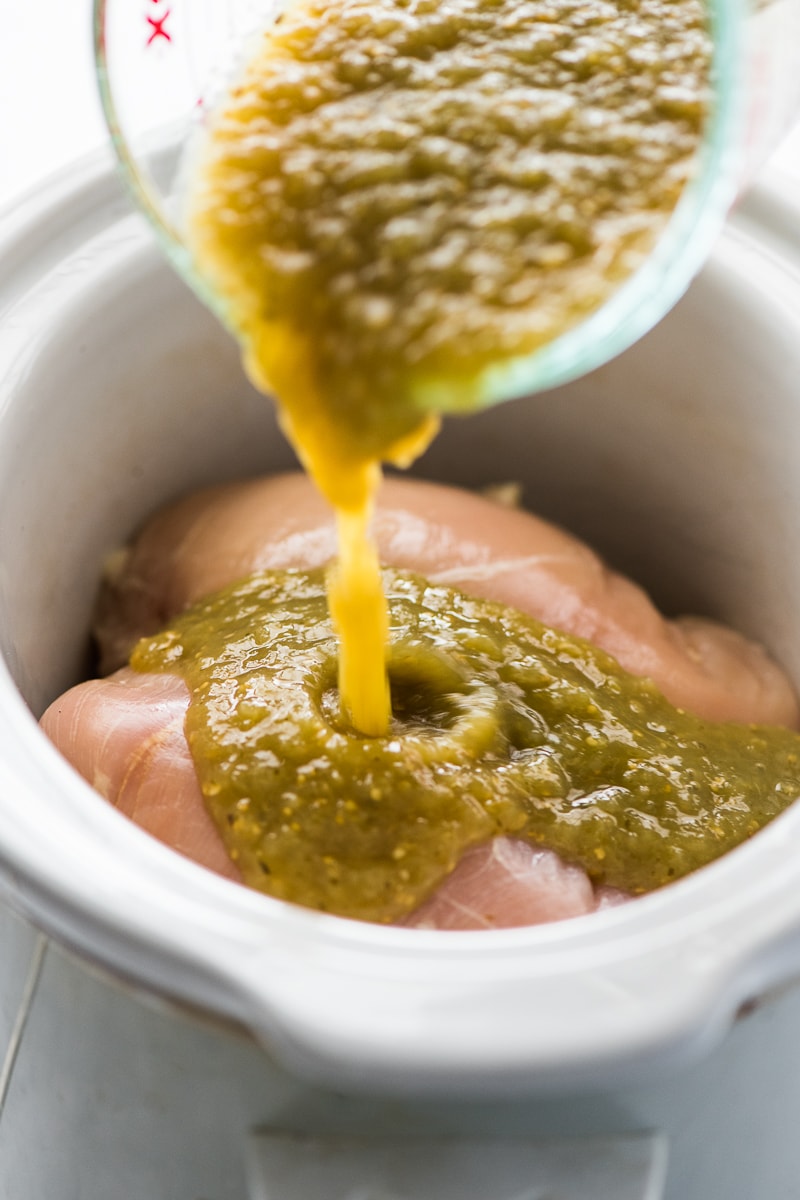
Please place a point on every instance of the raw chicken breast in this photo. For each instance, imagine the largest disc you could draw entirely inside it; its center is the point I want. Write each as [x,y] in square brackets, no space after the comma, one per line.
[124,733]
[507,883]
[216,536]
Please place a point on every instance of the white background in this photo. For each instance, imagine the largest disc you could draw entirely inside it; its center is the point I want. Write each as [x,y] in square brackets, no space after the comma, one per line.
[49,111]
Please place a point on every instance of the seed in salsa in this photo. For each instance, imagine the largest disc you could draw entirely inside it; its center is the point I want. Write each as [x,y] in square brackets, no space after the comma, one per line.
[396,196]
[501,726]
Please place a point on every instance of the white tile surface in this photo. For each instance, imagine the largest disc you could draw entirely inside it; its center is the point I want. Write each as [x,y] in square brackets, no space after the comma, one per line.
[310,1168]
[18,941]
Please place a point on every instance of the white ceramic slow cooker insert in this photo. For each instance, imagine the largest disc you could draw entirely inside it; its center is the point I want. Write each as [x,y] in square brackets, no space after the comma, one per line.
[680,462]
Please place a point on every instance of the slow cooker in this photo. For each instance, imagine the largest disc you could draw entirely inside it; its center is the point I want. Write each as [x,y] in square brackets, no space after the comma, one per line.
[169,1035]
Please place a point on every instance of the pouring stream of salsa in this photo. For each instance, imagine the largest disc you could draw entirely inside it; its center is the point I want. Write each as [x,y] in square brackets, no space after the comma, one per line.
[394,196]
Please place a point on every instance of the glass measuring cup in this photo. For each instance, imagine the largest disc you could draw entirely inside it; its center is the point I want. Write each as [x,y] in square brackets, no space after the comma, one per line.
[160,64]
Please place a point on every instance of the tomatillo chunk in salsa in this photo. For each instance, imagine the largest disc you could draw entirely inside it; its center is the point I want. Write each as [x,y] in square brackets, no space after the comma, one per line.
[500,726]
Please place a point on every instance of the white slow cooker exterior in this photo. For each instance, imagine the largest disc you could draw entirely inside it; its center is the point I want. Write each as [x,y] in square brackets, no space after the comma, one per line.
[117,391]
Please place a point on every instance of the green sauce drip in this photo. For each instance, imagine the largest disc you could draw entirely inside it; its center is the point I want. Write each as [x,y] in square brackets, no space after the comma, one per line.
[501,726]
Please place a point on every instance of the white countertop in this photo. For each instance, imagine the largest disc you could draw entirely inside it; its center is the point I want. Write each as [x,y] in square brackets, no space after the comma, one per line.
[50,112]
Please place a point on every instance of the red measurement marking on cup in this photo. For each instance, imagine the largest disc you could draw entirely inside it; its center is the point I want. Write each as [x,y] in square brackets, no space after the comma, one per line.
[158,25]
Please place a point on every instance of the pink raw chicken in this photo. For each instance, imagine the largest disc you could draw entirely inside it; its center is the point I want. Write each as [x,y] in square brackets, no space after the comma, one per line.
[507,883]
[124,734]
